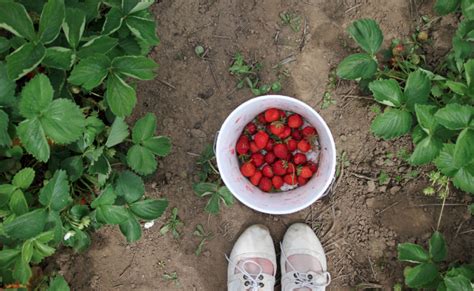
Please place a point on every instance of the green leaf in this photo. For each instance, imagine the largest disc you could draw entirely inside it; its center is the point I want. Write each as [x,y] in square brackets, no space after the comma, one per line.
[144,128]
[107,197]
[27,251]
[132,6]
[445,161]
[226,195]
[24,178]
[357,66]
[443,7]
[7,86]
[203,189]
[73,26]
[367,33]
[113,21]
[18,204]
[413,253]
[392,123]
[118,132]
[55,194]
[417,89]
[5,139]
[63,121]
[33,138]
[387,92]
[149,209]
[464,178]
[101,44]
[455,116]
[143,29]
[120,96]
[421,275]
[130,186]
[90,72]
[15,18]
[131,228]
[138,67]
[437,247]
[425,117]
[457,87]
[24,59]
[111,214]
[467,7]
[35,96]
[4,44]
[22,271]
[469,71]
[27,225]
[58,284]
[8,256]
[158,145]
[464,150]
[51,20]
[426,150]
[141,160]
[74,167]
[59,58]
[457,283]
[212,205]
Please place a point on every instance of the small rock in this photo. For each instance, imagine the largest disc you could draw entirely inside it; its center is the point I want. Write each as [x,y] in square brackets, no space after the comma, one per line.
[206,94]
[370,202]
[343,138]
[370,186]
[168,176]
[206,253]
[275,218]
[383,189]
[362,222]
[197,133]
[402,169]
[183,174]
[394,190]
[389,163]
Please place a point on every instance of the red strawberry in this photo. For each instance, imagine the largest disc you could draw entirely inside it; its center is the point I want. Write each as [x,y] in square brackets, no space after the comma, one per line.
[280,150]
[296,134]
[304,146]
[308,131]
[291,168]
[286,133]
[282,114]
[295,121]
[276,128]
[247,169]
[270,144]
[255,179]
[261,118]
[251,128]
[261,139]
[272,114]
[279,167]
[289,157]
[267,171]
[243,145]
[299,159]
[302,181]
[270,158]
[312,166]
[253,147]
[290,179]
[258,159]
[277,182]
[265,184]
[305,172]
[292,145]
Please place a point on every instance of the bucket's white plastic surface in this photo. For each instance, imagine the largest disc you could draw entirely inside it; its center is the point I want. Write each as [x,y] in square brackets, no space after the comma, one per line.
[250,195]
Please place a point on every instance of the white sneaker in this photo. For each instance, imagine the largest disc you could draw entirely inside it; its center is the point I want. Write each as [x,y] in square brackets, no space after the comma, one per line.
[252,262]
[303,261]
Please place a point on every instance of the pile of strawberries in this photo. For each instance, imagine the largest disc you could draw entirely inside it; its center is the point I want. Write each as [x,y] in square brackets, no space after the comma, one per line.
[277,151]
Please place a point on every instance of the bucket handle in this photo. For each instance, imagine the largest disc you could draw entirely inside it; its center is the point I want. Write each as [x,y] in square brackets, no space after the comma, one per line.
[330,188]
[215,142]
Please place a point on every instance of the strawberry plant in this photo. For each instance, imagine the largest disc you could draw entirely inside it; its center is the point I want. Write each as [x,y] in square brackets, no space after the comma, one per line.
[66,87]
[434,105]
[428,273]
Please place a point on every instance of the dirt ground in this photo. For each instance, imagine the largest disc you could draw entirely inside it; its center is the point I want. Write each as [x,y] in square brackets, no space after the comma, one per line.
[360,223]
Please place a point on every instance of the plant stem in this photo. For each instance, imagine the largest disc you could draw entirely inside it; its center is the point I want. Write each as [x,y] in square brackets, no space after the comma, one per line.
[441,212]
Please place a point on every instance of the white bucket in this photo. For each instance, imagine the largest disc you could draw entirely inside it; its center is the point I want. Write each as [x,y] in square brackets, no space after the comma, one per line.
[250,195]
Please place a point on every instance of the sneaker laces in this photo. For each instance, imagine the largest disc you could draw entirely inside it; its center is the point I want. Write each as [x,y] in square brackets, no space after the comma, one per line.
[252,281]
[306,280]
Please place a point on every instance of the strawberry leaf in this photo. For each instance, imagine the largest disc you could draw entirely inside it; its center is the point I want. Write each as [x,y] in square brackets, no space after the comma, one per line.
[52,18]
[18,204]
[5,139]
[15,18]
[467,7]
[24,178]
[138,67]
[413,253]
[120,96]
[111,214]
[417,89]
[33,138]
[421,275]
[437,247]
[24,59]
[387,92]
[118,132]
[59,58]
[392,123]
[143,29]
[131,228]
[98,45]
[130,186]
[464,151]
[149,209]
[107,197]
[464,178]
[158,145]
[7,87]
[425,117]
[144,128]
[141,160]
[445,161]
[457,283]
[90,72]
[73,26]
[113,21]
[27,225]
[55,195]
[357,66]
[443,7]
[367,33]
[63,121]
[455,116]
[36,96]
[426,150]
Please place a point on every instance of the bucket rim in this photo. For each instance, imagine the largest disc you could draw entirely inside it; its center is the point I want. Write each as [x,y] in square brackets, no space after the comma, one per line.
[332,145]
